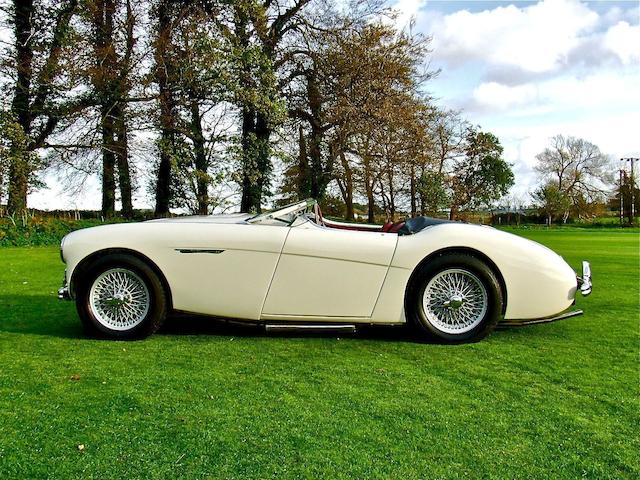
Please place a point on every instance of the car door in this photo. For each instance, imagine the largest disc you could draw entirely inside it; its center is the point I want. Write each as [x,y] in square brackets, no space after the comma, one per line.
[219,269]
[326,272]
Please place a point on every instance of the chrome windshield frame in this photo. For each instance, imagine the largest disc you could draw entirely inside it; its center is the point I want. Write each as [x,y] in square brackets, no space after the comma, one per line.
[292,210]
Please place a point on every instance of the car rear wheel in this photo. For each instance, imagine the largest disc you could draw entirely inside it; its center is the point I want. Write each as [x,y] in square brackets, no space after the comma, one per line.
[119,296]
[455,298]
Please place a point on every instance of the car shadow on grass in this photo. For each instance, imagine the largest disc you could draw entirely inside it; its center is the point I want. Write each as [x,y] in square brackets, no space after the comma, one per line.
[186,324]
[46,315]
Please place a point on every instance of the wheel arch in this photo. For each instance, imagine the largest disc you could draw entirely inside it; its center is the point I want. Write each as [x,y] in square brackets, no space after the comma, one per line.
[467,251]
[84,264]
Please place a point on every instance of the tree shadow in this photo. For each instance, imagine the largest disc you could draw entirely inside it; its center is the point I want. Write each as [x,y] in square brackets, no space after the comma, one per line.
[39,315]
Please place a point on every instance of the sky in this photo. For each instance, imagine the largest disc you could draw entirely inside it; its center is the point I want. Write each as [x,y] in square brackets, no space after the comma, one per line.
[523,70]
[529,70]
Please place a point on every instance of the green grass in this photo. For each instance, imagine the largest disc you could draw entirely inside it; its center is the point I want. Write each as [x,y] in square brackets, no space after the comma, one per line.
[203,401]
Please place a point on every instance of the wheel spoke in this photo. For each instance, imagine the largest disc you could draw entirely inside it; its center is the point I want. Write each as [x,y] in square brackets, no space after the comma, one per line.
[455,300]
[119,299]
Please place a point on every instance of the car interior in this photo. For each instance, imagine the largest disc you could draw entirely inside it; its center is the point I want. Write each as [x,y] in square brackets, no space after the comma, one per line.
[310,210]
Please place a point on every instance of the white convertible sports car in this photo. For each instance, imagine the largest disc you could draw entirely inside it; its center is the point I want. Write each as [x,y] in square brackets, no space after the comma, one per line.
[292,269]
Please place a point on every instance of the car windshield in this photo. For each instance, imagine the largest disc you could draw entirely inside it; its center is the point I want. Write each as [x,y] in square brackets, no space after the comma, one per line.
[284,215]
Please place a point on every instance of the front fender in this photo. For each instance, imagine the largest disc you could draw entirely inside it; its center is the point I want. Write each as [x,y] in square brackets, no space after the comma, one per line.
[538,282]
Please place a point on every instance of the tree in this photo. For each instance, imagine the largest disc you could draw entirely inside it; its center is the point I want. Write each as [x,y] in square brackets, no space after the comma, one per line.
[194,61]
[13,142]
[111,86]
[354,100]
[577,167]
[481,175]
[551,201]
[165,76]
[433,192]
[40,33]
[626,194]
[259,29]
[448,132]
[309,76]
[203,96]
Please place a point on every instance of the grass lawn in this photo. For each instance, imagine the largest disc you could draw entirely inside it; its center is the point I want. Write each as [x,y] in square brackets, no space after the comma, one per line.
[203,401]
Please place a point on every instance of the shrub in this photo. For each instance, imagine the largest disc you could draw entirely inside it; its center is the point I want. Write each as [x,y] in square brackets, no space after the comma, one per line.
[39,230]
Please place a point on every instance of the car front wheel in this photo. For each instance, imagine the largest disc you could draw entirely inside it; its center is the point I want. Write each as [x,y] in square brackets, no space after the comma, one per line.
[121,297]
[455,298]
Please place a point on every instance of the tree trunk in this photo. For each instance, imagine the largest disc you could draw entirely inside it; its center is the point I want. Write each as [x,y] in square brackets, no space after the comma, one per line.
[368,184]
[263,138]
[201,162]
[303,188]
[422,196]
[385,202]
[19,171]
[122,160]
[108,163]
[19,168]
[371,218]
[319,176]
[256,133]
[345,183]
[249,167]
[105,84]
[164,77]
[453,213]
[318,184]
[253,128]
[412,191]
[392,197]
[349,215]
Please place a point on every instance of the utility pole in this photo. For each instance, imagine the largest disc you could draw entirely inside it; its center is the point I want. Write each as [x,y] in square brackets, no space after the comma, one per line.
[632,184]
[621,193]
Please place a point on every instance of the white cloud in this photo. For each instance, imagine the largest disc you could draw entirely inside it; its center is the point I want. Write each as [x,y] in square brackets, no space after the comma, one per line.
[503,97]
[407,10]
[536,38]
[614,133]
[624,41]
[529,72]
[600,90]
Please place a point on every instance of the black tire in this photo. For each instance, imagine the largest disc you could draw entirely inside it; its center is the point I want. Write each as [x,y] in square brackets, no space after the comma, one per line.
[447,262]
[157,298]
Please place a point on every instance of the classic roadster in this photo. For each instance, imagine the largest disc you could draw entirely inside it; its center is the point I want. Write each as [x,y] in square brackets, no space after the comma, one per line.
[293,269]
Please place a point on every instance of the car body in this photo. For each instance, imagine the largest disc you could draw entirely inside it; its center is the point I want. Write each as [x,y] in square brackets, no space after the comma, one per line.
[293,266]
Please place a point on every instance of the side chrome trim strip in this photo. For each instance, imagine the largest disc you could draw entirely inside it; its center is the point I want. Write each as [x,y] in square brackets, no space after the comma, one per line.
[318,327]
[198,250]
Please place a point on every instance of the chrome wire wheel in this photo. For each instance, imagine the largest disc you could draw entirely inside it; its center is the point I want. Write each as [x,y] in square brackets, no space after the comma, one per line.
[455,301]
[119,299]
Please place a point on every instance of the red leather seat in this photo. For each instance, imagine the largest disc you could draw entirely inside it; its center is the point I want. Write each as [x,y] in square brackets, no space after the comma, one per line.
[395,227]
[390,227]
